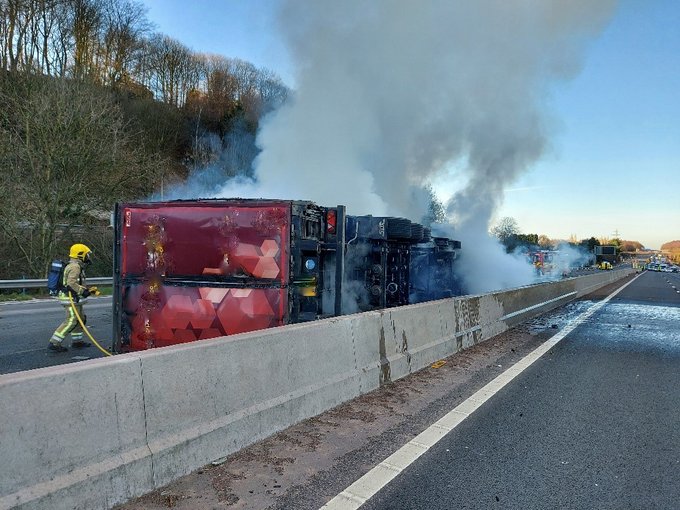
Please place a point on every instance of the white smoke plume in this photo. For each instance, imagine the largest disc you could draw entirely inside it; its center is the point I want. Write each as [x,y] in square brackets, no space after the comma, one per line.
[392,93]
[572,257]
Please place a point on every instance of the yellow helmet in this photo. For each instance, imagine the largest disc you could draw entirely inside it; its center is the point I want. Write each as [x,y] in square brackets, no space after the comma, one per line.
[80,252]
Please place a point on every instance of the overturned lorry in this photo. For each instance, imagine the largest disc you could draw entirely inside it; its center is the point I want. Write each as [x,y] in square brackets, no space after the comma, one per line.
[189,270]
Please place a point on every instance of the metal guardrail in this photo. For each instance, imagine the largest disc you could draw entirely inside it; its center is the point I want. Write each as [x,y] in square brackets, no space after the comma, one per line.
[36,284]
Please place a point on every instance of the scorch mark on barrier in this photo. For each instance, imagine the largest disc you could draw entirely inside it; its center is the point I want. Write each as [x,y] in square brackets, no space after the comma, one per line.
[354,496]
[385,375]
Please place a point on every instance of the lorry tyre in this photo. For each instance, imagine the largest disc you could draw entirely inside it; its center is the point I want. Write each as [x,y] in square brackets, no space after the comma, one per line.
[417,232]
[398,228]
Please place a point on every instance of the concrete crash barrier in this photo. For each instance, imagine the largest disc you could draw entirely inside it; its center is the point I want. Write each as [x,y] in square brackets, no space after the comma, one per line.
[73,436]
[414,336]
[97,433]
[210,399]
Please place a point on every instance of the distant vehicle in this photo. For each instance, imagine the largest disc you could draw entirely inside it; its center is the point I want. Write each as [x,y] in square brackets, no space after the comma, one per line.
[605,265]
[663,268]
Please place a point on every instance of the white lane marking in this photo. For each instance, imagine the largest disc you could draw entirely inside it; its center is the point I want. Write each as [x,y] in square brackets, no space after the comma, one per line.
[364,488]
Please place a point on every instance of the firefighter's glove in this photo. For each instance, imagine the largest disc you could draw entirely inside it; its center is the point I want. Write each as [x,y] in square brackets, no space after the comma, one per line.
[94,291]
[86,293]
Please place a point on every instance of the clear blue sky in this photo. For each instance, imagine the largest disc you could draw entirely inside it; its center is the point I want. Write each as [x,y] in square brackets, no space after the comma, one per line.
[614,163]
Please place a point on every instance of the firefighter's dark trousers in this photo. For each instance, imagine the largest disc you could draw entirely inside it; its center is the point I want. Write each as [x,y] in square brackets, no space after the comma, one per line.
[70,325]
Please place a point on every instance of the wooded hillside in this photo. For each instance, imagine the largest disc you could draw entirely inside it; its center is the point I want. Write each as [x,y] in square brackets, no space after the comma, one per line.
[672,249]
[96,108]
[671,246]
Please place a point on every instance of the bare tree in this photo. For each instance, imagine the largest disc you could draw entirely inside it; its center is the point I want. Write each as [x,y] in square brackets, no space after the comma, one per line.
[174,69]
[505,229]
[221,85]
[30,44]
[66,158]
[105,42]
[4,33]
[272,91]
[125,27]
[60,45]
[13,32]
[86,25]
[246,75]
[213,101]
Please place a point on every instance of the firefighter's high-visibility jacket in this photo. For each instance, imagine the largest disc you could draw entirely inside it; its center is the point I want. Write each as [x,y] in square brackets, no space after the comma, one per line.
[74,279]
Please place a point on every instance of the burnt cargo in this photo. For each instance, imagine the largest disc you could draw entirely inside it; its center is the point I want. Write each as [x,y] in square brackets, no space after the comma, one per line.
[190,270]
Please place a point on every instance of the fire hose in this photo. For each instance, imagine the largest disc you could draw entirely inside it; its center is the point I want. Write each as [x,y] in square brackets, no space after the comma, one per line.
[82,324]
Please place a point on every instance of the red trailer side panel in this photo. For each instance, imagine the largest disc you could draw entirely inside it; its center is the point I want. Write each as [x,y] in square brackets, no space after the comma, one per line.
[227,240]
[203,270]
[172,315]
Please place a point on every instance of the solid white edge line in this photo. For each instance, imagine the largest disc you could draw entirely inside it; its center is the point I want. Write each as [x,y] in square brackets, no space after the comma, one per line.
[364,488]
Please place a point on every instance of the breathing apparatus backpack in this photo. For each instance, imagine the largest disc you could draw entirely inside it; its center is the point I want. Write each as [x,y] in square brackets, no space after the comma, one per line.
[55,277]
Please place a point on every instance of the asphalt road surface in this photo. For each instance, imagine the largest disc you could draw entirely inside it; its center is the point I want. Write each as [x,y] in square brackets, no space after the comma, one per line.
[593,424]
[26,327]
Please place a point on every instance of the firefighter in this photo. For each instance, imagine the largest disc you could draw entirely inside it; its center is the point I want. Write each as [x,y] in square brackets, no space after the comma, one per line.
[75,285]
